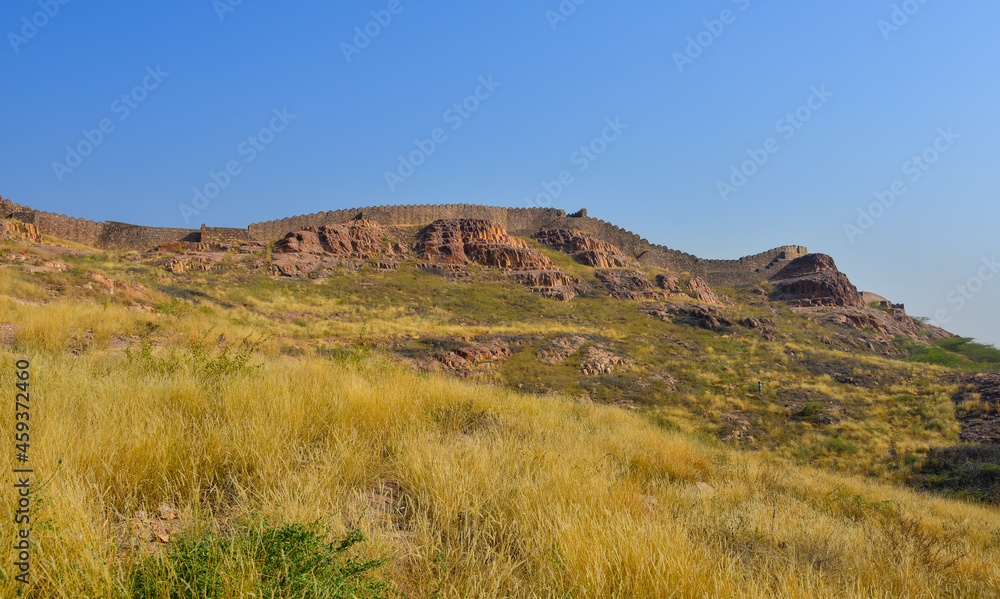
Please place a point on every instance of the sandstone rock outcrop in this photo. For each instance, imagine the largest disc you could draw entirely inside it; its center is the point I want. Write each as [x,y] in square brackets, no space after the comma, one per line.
[543,278]
[491,351]
[765,326]
[485,242]
[597,360]
[348,244]
[705,317]
[553,283]
[114,286]
[702,292]
[888,326]
[813,280]
[561,348]
[19,231]
[583,248]
[628,284]
[358,239]
[670,284]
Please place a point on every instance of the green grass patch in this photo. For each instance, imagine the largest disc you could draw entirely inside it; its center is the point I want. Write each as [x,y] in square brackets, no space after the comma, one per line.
[290,560]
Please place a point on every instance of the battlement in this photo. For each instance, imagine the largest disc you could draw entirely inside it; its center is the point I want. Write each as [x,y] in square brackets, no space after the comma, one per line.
[748,270]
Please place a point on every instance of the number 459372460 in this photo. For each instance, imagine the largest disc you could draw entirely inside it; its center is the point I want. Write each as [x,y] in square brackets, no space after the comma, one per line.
[22,413]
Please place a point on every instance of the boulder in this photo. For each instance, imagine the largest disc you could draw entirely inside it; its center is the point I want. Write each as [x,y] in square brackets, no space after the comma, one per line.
[597,361]
[699,315]
[701,291]
[765,326]
[670,284]
[813,280]
[628,284]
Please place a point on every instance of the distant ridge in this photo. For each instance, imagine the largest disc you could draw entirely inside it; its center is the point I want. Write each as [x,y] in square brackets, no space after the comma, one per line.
[111,235]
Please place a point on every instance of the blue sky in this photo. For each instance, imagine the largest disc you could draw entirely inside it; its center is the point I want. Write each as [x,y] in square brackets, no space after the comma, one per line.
[839,98]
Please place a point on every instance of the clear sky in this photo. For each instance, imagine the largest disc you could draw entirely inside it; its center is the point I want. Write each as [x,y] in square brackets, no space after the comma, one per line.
[637,110]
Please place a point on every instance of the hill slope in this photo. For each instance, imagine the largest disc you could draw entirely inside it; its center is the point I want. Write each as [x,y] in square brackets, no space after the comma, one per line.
[623,430]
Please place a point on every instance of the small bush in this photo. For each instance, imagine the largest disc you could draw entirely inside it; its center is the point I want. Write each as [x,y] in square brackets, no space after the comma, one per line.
[200,359]
[174,307]
[224,361]
[840,446]
[292,560]
[146,361]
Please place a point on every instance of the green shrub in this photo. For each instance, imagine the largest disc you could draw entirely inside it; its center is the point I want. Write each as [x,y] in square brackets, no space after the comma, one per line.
[292,560]
[224,361]
[838,445]
[174,307]
[957,352]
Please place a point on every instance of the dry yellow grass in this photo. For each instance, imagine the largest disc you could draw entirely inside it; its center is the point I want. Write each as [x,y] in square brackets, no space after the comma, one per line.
[500,494]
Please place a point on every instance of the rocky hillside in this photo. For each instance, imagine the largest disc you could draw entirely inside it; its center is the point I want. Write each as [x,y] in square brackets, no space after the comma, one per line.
[492,411]
[560,311]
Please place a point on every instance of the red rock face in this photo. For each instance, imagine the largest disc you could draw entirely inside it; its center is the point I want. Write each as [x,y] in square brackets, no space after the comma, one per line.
[583,248]
[702,292]
[670,284]
[359,239]
[313,248]
[507,258]
[21,231]
[485,242]
[544,278]
[813,280]
[301,242]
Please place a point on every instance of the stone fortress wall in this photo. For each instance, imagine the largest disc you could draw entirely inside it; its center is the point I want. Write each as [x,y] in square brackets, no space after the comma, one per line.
[745,271]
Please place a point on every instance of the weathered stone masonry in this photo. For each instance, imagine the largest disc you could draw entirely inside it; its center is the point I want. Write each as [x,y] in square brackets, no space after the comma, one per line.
[518,221]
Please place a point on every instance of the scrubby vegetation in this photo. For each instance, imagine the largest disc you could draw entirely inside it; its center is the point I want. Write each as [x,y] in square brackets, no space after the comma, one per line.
[958,352]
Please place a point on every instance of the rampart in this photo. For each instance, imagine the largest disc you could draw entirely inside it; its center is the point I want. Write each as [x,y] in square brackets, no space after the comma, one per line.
[748,270]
